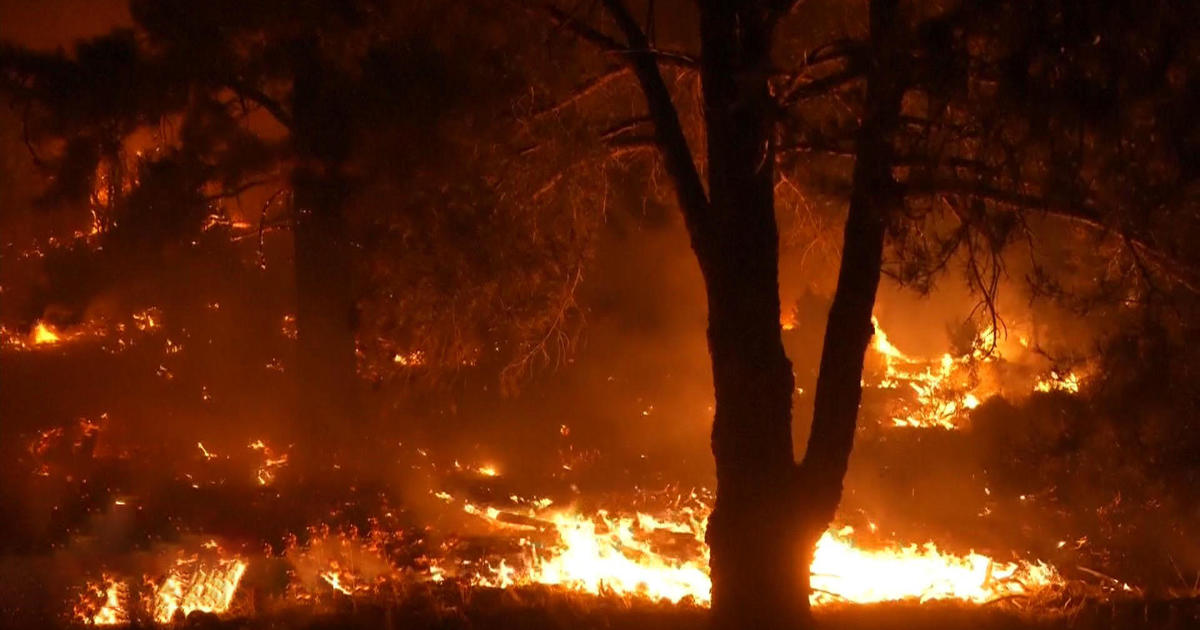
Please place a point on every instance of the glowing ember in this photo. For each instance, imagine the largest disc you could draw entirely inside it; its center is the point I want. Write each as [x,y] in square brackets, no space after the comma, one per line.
[415,358]
[487,470]
[195,585]
[205,452]
[272,462]
[148,319]
[288,327]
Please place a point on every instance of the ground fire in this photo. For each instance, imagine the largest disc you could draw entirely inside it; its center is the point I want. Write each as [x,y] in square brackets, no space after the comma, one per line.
[624,314]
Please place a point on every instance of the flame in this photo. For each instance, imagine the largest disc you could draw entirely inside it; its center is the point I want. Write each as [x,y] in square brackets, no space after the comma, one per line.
[787,320]
[944,390]
[843,572]
[194,585]
[111,334]
[43,334]
[939,401]
[147,319]
[607,555]
[881,344]
[191,585]
[1056,382]
[110,609]
[416,358]
[265,473]
[604,554]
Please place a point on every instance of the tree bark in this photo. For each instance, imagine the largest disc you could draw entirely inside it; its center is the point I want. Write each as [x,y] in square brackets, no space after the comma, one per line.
[770,511]
[756,562]
[875,197]
[326,317]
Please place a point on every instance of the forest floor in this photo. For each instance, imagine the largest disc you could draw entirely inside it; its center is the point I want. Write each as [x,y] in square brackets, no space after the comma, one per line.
[545,609]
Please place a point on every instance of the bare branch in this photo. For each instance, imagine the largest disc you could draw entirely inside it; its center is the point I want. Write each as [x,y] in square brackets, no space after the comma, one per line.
[580,28]
[672,143]
[808,147]
[1182,273]
[261,98]
[37,159]
[234,192]
[799,90]
[624,127]
[584,91]
[597,38]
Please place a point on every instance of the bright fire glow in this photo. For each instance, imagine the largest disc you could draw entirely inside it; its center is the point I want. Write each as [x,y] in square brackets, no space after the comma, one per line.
[415,358]
[946,388]
[43,335]
[110,609]
[602,554]
[843,572]
[1056,382]
[195,585]
[191,585]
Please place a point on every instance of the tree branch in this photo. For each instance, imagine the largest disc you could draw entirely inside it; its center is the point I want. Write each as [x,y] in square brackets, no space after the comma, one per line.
[597,38]
[672,143]
[233,192]
[1182,273]
[798,91]
[261,98]
[584,91]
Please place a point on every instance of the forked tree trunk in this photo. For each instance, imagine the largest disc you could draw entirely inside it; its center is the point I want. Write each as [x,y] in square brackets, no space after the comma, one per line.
[769,511]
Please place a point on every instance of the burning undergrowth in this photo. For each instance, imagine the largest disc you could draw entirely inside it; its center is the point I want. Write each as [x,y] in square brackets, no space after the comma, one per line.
[984,456]
[216,540]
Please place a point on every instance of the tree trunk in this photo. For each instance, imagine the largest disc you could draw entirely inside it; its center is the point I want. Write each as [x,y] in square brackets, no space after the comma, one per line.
[756,562]
[769,511]
[874,198]
[326,318]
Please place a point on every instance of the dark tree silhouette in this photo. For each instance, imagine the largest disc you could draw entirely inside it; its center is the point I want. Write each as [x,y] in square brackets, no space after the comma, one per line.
[769,509]
[952,160]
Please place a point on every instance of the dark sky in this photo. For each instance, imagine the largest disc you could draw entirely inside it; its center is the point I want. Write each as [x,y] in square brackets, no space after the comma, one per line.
[52,23]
